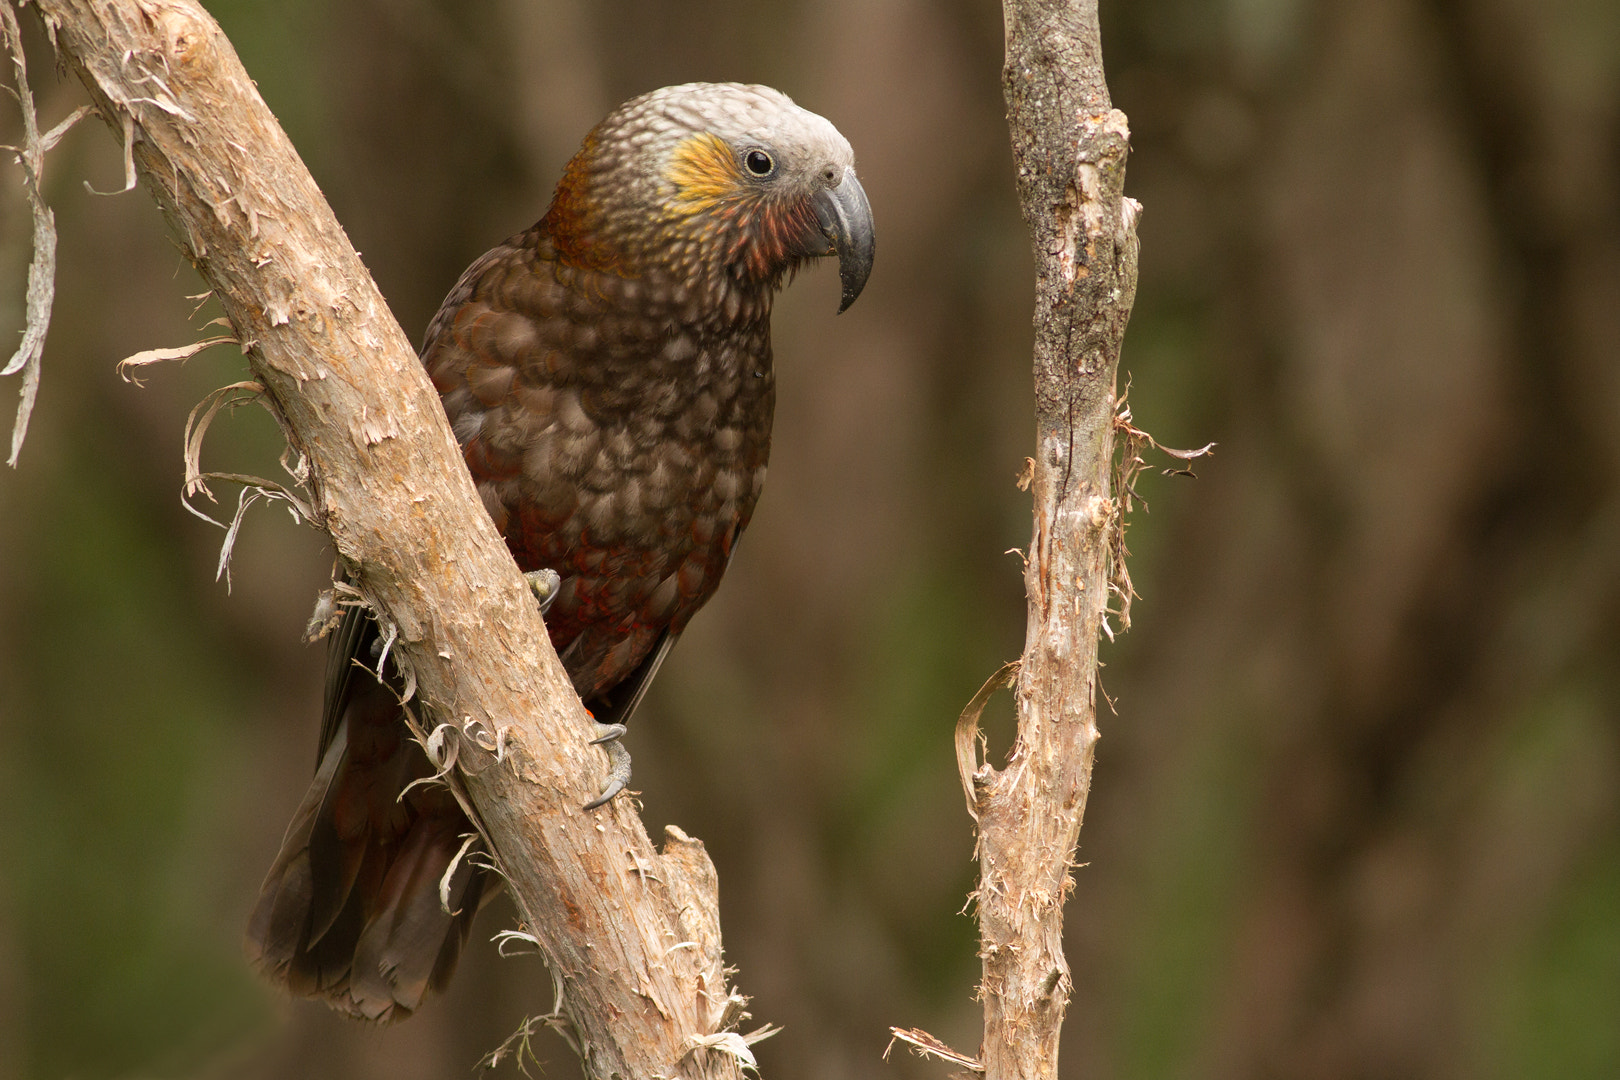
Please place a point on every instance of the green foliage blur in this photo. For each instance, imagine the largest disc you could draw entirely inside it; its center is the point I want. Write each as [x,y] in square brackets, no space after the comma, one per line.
[1358,811]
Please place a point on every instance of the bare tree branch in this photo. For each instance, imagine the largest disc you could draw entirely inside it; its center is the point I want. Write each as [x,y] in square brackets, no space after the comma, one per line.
[631,936]
[42,267]
[1069,146]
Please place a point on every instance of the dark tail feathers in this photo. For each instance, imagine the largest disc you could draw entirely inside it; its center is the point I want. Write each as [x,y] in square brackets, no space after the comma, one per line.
[351,911]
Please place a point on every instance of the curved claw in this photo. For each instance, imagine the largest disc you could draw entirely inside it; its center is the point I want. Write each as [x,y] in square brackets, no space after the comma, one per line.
[609,733]
[618,763]
[545,584]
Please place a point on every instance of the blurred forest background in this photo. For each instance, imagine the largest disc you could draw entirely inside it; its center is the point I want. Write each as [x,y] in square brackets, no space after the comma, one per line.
[1358,814]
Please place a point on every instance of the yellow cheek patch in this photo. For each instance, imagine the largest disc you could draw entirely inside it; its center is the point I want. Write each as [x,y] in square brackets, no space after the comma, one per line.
[704,172]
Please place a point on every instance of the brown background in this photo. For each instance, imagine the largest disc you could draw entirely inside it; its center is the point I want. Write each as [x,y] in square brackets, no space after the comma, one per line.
[1359,812]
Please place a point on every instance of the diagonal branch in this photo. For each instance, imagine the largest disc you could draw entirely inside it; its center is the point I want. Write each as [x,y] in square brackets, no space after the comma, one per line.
[631,936]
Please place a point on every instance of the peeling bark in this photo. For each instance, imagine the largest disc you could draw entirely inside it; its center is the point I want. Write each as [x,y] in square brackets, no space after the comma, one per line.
[1069,146]
[631,936]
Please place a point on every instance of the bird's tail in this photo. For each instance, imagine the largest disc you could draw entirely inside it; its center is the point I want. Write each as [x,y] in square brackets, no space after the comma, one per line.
[355,911]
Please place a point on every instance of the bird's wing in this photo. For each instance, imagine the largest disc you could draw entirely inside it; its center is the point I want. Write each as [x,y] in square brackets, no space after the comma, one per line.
[619,702]
[351,643]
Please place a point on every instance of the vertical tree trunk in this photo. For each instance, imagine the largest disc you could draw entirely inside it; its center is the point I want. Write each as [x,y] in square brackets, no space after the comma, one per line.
[1069,146]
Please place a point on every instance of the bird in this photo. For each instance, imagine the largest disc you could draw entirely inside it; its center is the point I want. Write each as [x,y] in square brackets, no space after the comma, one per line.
[608,376]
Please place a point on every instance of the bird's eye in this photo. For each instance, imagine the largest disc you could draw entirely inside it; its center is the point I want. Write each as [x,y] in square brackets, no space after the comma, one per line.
[759,163]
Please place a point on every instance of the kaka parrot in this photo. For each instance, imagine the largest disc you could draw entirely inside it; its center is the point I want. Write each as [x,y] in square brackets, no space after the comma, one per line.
[608,376]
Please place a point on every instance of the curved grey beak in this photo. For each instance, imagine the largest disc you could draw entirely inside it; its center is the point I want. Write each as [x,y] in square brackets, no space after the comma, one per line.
[845,219]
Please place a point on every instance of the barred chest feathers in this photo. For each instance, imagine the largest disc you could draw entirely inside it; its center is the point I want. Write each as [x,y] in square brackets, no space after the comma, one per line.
[614,435]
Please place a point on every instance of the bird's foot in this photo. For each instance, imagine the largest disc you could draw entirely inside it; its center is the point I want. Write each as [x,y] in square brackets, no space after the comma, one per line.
[618,762]
[545,584]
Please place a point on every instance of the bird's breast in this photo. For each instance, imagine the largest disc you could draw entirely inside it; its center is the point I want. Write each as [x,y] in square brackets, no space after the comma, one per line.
[624,450]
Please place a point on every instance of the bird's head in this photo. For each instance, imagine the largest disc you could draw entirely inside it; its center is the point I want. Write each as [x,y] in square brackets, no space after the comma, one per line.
[720,186]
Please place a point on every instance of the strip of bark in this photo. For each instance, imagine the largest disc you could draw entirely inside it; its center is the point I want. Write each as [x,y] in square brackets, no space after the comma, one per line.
[631,936]
[1069,146]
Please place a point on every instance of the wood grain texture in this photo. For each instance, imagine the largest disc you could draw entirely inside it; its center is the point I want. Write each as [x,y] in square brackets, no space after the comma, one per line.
[1069,147]
[632,937]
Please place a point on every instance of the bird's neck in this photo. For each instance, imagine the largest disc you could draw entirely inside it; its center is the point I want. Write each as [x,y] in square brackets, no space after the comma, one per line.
[680,290]
[719,267]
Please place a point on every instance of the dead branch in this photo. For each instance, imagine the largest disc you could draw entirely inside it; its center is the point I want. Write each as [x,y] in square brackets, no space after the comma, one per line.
[631,936]
[42,267]
[1069,146]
